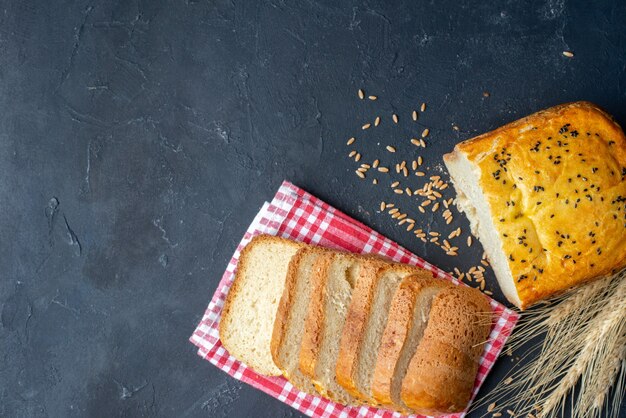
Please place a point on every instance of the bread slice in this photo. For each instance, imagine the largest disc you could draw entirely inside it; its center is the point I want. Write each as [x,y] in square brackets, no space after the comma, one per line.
[544,195]
[251,304]
[365,324]
[292,312]
[408,317]
[441,373]
[326,319]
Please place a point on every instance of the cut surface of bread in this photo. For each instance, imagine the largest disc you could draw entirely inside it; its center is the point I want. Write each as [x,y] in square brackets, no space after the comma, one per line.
[365,324]
[325,321]
[545,196]
[292,313]
[441,374]
[408,317]
[250,309]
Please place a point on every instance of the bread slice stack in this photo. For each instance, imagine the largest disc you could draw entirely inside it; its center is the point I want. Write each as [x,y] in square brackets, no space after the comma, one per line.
[356,329]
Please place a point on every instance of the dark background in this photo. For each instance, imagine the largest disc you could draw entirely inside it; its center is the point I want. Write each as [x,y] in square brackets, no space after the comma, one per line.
[139,138]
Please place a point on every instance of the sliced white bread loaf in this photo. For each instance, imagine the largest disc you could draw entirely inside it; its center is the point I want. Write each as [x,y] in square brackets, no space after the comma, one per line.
[292,312]
[250,309]
[365,325]
[330,298]
[408,316]
[441,373]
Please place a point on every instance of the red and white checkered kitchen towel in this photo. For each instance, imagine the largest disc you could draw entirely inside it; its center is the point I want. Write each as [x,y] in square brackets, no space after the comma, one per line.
[296,214]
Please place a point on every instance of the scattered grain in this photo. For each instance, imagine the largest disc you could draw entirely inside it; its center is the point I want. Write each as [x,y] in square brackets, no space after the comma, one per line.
[421,209]
[361,94]
[420,160]
[414,115]
[390,148]
[415,142]
[425,132]
[372,97]
[422,143]
[351,141]
[357,157]
[382,206]
[360,174]
[420,173]
[375,163]
[568,54]
[383,169]
[469,241]
[366,126]
[435,206]
[395,118]
[423,107]
[398,191]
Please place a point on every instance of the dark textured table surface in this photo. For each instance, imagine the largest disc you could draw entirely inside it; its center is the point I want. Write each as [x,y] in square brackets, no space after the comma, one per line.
[139,138]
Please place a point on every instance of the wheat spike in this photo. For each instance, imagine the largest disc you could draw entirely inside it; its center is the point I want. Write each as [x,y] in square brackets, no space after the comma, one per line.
[584,339]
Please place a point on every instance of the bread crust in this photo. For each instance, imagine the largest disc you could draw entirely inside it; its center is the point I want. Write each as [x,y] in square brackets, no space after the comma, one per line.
[555,178]
[396,332]
[227,319]
[283,319]
[318,334]
[313,327]
[442,372]
[356,321]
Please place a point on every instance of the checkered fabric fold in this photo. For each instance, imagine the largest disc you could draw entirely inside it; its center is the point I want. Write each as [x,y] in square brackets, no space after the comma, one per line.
[298,215]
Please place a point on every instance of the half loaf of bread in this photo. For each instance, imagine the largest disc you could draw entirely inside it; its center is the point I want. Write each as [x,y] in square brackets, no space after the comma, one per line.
[546,196]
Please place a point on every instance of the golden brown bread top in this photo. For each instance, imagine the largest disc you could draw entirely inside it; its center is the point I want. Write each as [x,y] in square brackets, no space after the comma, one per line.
[555,184]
